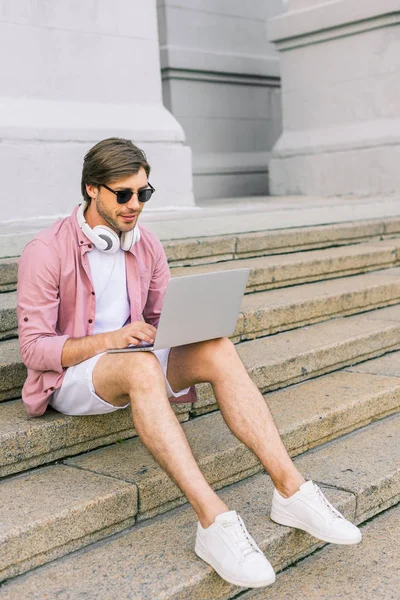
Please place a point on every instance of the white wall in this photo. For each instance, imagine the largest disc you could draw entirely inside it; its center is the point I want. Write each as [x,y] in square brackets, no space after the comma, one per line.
[73,73]
[341,98]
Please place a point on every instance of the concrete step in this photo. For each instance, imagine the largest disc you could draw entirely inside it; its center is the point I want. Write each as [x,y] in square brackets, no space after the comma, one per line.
[359,474]
[209,249]
[367,570]
[244,215]
[264,313]
[273,363]
[270,272]
[254,243]
[27,443]
[286,358]
[307,415]
[12,370]
[8,315]
[8,274]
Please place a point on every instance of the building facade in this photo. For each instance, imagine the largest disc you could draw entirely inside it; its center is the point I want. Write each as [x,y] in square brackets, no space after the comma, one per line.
[228,99]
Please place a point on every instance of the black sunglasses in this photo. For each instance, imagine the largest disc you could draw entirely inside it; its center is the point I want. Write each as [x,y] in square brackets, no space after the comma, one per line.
[123,196]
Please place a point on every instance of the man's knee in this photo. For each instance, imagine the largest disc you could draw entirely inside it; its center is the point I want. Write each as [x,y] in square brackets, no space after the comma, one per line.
[218,350]
[143,371]
[115,376]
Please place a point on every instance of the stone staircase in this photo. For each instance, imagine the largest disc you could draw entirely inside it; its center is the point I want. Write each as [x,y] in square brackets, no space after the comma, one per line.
[319,332]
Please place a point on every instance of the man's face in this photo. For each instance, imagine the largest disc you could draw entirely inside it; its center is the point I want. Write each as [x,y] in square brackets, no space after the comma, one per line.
[104,208]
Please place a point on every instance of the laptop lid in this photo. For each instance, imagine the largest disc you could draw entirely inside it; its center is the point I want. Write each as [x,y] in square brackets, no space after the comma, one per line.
[200,307]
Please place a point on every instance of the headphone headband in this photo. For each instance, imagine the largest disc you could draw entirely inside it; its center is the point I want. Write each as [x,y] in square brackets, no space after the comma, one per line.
[103,237]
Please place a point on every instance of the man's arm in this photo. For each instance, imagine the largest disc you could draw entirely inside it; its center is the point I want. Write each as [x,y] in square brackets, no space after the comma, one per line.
[37,308]
[158,286]
[41,348]
[76,350]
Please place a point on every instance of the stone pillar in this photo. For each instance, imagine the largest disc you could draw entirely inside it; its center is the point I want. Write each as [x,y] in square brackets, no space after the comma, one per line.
[340,71]
[74,73]
[221,81]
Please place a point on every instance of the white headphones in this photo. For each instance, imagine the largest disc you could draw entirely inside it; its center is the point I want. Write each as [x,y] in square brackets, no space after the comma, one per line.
[103,237]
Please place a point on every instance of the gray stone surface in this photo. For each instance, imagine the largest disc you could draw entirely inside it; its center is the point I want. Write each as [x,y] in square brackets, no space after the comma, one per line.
[386,365]
[369,570]
[305,238]
[8,317]
[27,442]
[157,559]
[50,512]
[270,272]
[206,249]
[277,361]
[306,415]
[8,274]
[294,356]
[12,370]
[341,463]
[392,313]
[268,213]
[282,309]
[291,216]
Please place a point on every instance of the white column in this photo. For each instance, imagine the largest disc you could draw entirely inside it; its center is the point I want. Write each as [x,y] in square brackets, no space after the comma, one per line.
[340,72]
[73,73]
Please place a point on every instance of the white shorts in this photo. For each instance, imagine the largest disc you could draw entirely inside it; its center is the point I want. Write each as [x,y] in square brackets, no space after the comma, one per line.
[77,395]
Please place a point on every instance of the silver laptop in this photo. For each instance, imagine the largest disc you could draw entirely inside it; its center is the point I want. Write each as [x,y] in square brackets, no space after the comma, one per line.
[197,308]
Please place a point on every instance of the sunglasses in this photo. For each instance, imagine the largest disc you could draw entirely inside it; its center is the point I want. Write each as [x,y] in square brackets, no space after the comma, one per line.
[123,196]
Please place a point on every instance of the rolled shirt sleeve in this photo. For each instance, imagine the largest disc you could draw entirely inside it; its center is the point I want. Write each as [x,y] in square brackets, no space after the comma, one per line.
[37,307]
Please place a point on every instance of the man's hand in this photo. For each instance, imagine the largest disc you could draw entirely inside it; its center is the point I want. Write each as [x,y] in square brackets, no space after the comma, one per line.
[134,333]
[75,350]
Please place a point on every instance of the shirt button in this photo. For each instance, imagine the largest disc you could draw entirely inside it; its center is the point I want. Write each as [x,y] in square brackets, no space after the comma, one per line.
[89,245]
[52,389]
[81,242]
[90,321]
[92,293]
[25,318]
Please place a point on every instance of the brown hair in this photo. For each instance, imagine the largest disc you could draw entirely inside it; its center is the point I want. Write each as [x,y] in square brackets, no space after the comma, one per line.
[109,160]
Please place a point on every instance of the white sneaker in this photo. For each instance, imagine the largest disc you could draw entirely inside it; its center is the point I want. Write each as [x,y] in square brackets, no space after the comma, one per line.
[228,547]
[308,509]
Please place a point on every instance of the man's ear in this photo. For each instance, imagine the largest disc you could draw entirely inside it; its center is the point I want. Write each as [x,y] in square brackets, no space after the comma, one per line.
[92,190]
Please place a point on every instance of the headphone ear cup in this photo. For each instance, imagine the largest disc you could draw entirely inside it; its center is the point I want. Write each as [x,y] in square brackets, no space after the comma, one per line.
[109,236]
[130,238]
[103,238]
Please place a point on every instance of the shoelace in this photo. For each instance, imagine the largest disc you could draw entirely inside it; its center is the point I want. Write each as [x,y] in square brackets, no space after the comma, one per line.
[240,535]
[333,510]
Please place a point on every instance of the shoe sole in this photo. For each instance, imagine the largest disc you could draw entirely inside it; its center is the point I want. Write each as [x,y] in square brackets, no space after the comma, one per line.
[290,522]
[204,555]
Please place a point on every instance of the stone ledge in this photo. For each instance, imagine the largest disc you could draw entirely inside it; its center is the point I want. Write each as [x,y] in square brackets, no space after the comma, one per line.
[307,415]
[329,20]
[63,509]
[158,556]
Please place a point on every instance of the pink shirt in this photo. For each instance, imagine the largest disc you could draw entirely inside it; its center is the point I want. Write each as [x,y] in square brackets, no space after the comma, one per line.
[56,300]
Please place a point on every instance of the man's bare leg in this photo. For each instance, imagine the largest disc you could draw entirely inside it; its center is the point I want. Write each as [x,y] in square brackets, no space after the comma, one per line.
[241,403]
[138,378]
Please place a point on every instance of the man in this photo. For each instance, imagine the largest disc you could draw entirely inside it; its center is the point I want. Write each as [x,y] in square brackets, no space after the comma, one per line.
[95,281]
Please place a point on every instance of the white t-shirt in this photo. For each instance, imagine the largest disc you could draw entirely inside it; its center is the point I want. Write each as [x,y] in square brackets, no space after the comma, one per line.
[109,280]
